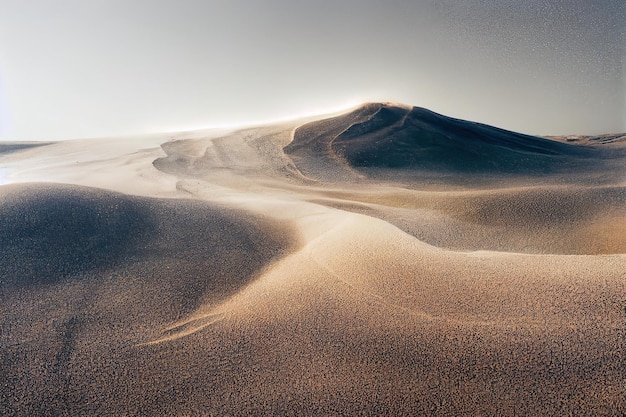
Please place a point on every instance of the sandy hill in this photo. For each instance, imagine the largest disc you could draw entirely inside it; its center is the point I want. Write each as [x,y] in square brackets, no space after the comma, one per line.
[386,261]
[377,137]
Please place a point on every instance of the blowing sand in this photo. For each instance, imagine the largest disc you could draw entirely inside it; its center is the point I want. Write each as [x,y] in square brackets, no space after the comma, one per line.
[222,275]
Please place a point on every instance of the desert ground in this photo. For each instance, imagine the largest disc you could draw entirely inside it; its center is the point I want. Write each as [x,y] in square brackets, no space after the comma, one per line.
[383,261]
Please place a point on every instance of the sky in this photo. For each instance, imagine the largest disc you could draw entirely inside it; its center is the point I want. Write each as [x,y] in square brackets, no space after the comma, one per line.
[98,68]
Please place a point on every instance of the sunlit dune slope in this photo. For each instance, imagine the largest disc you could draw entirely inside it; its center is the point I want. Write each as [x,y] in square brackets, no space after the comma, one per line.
[540,219]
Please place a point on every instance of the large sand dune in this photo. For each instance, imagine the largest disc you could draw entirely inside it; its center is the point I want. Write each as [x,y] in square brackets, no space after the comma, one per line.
[388,261]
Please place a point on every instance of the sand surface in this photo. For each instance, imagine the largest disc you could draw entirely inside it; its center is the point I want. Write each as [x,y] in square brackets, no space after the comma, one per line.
[269,271]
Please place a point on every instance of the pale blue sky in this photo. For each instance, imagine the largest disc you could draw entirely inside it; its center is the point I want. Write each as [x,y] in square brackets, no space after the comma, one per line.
[78,68]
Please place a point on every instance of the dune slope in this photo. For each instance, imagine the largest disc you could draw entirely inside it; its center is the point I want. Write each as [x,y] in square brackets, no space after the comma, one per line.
[87,275]
[377,137]
[567,219]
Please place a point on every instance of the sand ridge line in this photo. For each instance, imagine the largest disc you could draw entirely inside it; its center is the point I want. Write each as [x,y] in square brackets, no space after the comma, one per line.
[186,328]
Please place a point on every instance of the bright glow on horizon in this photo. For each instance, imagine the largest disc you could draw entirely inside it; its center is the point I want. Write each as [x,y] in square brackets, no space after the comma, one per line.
[111,68]
[322,111]
[4,111]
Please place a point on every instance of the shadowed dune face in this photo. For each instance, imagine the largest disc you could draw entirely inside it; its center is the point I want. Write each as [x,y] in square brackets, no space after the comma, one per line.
[87,272]
[55,232]
[51,233]
[387,141]
[6,148]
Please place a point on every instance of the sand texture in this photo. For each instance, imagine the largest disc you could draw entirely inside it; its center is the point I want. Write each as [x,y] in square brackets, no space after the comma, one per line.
[386,261]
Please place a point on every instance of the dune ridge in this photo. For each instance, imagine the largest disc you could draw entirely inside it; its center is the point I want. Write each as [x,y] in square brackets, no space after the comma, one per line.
[282,270]
[416,142]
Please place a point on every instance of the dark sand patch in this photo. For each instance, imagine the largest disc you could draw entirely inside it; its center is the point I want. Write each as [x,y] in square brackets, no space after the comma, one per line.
[88,274]
[11,147]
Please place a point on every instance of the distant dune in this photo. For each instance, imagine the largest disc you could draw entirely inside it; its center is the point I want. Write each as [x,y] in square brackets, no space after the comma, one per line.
[387,261]
[18,146]
[415,141]
[618,139]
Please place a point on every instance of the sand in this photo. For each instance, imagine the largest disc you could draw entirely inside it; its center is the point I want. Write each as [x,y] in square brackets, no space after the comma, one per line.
[266,272]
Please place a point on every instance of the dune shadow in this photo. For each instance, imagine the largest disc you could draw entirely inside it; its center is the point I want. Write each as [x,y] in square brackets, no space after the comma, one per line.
[10,147]
[53,233]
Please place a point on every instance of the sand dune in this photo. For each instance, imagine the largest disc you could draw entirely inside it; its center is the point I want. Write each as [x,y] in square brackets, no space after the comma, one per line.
[540,219]
[87,273]
[6,148]
[417,144]
[389,261]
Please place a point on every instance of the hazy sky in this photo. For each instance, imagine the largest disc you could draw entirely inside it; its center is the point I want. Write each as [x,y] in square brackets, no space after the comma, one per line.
[85,68]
